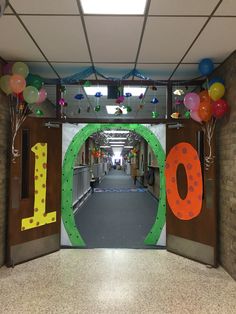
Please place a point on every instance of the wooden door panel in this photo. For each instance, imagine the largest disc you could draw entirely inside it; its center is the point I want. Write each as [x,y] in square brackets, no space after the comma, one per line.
[35,192]
[194,238]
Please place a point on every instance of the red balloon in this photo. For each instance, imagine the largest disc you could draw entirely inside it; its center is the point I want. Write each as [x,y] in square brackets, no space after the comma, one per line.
[219,108]
[205,111]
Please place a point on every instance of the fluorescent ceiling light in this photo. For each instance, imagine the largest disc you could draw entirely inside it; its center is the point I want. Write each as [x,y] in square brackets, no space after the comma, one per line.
[134,90]
[128,146]
[116,132]
[112,109]
[113,6]
[117,143]
[105,146]
[116,138]
[92,90]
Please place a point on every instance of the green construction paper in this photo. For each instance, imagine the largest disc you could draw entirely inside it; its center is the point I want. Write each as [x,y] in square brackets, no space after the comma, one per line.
[67,179]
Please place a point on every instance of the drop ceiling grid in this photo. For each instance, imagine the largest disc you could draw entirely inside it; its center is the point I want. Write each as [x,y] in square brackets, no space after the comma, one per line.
[166,39]
[114,39]
[218,34]
[61,38]
[45,6]
[15,42]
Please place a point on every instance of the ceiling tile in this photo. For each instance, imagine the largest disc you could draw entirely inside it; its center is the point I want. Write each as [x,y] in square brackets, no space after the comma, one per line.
[45,6]
[8,10]
[227,7]
[216,41]
[42,68]
[114,39]
[182,7]
[16,44]
[186,72]
[179,33]
[156,71]
[61,38]
[112,70]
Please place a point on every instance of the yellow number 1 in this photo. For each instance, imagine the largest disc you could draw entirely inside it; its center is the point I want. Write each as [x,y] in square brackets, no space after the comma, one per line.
[40,216]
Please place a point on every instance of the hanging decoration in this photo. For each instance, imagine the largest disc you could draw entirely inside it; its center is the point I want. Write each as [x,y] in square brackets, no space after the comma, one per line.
[207,106]
[61,102]
[24,90]
[154,101]
[118,111]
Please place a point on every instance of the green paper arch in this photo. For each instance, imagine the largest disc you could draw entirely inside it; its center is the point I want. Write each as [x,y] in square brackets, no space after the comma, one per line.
[67,179]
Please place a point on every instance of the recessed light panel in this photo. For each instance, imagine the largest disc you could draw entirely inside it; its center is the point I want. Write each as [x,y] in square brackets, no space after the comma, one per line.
[123,7]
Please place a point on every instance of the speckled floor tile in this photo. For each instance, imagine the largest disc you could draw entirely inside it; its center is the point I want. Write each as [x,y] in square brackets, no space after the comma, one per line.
[115,281]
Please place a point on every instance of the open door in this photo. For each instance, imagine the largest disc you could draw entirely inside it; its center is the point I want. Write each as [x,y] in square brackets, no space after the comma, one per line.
[34,216]
[190,190]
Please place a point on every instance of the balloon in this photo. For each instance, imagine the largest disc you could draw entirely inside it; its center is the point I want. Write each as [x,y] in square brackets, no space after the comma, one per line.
[42,96]
[204,96]
[20,68]
[7,68]
[17,83]
[219,108]
[191,101]
[5,84]
[205,111]
[216,80]
[34,80]
[206,66]
[194,115]
[216,91]
[31,94]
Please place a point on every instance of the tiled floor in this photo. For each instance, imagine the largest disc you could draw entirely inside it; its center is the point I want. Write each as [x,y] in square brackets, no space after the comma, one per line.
[115,281]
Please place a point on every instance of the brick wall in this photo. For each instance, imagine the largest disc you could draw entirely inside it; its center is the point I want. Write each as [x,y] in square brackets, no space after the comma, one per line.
[4,170]
[226,170]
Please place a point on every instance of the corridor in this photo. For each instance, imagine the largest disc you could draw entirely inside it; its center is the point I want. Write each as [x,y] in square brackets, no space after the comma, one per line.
[118,214]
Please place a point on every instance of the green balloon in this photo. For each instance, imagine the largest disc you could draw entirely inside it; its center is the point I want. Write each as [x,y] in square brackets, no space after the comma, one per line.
[21,69]
[31,94]
[4,84]
[34,80]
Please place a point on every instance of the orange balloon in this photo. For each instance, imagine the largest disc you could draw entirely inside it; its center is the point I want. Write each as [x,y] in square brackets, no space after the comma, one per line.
[204,96]
[205,111]
[17,83]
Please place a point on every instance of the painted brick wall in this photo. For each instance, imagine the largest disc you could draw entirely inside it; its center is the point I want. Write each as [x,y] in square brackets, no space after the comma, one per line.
[4,170]
[226,171]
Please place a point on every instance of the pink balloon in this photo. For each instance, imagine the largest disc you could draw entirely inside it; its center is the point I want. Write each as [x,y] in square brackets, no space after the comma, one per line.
[42,96]
[192,101]
[194,115]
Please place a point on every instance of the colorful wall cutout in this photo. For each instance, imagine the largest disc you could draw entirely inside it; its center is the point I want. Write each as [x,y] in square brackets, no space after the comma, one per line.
[40,216]
[67,178]
[190,207]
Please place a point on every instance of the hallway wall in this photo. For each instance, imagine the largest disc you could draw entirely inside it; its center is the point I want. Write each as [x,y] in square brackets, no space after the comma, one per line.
[226,170]
[4,140]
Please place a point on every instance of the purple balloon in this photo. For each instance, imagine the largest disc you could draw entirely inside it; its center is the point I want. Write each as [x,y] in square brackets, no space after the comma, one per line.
[192,101]
[194,115]
[7,68]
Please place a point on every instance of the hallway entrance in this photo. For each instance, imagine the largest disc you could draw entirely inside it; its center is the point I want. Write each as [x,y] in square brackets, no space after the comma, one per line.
[118,214]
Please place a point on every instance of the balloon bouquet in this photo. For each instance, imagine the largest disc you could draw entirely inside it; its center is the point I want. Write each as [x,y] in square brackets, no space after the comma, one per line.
[27,90]
[207,106]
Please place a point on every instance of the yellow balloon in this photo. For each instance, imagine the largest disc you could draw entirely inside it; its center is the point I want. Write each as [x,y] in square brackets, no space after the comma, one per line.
[216,91]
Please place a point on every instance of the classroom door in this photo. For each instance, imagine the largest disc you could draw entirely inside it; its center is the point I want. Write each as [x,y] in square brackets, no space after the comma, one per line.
[191,199]
[35,192]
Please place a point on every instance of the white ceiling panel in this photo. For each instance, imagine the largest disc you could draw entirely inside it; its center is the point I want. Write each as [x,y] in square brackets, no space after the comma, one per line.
[114,70]
[167,39]
[45,6]
[182,7]
[114,39]
[8,10]
[217,41]
[227,7]
[68,69]
[156,71]
[15,43]
[186,72]
[61,38]
[41,68]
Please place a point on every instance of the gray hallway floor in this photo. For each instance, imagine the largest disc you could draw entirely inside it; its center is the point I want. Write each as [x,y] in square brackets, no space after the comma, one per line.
[116,219]
[115,281]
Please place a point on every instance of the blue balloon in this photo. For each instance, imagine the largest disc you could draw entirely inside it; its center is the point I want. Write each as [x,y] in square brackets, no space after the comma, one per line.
[216,80]
[206,66]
